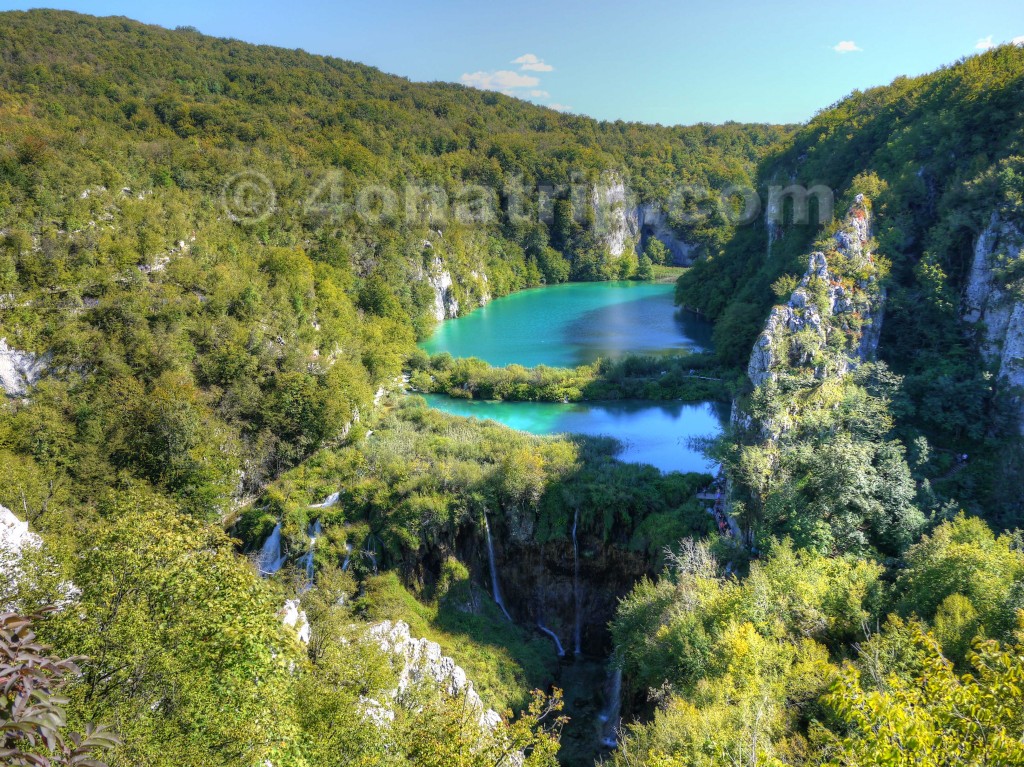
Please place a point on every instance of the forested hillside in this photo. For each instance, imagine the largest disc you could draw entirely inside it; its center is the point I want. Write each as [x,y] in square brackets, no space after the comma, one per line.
[944,156]
[216,260]
[877,623]
[191,347]
[176,340]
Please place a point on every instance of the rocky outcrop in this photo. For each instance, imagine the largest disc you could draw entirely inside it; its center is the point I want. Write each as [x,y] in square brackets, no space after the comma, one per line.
[800,334]
[19,370]
[15,539]
[652,222]
[615,220]
[420,661]
[295,618]
[990,303]
[440,279]
[452,293]
[15,535]
[622,224]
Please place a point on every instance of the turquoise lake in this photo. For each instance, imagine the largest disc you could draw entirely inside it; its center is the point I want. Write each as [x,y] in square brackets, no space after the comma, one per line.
[568,325]
[574,324]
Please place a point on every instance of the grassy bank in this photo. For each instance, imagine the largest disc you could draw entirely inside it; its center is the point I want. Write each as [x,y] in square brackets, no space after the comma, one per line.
[689,378]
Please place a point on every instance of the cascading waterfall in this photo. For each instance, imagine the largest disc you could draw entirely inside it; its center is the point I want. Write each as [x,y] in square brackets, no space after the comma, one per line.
[327,502]
[610,714]
[271,555]
[554,637]
[494,570]
[578,624]
[348,557]
[370,552]
[314,531]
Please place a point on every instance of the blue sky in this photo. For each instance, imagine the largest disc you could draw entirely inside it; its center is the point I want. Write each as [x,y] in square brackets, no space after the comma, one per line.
[649,60]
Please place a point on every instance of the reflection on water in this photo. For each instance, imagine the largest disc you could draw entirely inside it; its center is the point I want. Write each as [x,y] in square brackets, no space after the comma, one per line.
[569,325]
[654,433]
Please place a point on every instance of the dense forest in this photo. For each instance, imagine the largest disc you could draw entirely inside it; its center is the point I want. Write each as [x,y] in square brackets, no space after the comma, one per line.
[213,280]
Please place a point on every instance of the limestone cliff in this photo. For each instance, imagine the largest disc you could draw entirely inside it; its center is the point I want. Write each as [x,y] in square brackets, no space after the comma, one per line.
[15,537]
[833,318]
[623,224]
[993,304]
[446,305]
[457,280]
[420,661]
[652,222]
[18,370]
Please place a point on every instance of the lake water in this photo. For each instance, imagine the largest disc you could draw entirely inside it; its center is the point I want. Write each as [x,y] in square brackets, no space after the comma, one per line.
[575,324]
[656,433]
[569,325]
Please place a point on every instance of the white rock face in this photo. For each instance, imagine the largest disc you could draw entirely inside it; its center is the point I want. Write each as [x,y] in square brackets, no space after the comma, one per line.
[19,370]
[14,534]
[622,224]
[440,279]
[422,661]
[292,616]
[776,346]
[653,222]
[15,538]
[615,219]
[985,300]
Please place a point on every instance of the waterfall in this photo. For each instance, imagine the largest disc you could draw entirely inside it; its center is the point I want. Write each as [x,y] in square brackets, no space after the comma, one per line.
[327,502]
[370,552]
[554,637]
[348,557]
[271,555]
[494,570]
[314,531]
[372,556]
[578,627]
[610,713]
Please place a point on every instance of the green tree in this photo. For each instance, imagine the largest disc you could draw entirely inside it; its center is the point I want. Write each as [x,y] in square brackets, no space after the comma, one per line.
[656,251]
[184,653]
[936,717]
[644,269]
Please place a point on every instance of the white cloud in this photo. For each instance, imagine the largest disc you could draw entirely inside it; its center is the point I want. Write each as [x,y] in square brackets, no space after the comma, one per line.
[538,94]
[501,80]
[1017,40]
[846,46]
[984,44]
[530,62]
[559,107]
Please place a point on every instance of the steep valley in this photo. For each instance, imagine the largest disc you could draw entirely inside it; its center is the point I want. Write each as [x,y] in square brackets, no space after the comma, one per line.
[351,420]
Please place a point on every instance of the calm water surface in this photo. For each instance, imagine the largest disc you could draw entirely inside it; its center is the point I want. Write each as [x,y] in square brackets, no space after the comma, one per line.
[656,433]
[575,324]
[569,325]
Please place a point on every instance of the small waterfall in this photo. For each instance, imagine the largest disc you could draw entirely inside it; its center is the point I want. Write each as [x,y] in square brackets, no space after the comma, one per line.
[370,552]
[314,531]
[271,555]
[327,502]
[612,709]
[578,627]
[554,637]
[494,570]
[348,557]
[372,556]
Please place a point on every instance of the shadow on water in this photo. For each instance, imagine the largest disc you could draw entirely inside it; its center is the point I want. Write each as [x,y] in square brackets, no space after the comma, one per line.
[649,325]
[568,325]
[655,433]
